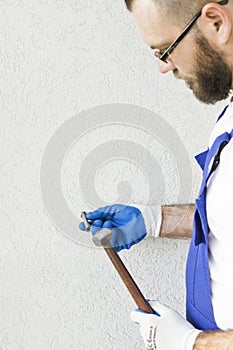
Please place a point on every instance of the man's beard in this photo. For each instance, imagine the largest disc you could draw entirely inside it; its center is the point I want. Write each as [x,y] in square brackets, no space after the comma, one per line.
[212,78]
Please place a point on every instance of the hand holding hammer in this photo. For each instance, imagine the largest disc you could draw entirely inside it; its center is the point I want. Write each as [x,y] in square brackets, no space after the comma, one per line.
[102,239]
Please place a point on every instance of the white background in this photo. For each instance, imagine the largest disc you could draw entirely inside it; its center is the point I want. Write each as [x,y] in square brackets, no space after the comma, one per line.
[58,58]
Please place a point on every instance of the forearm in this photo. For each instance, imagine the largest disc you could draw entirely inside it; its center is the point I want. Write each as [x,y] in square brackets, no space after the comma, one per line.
[177,221]
[214,340]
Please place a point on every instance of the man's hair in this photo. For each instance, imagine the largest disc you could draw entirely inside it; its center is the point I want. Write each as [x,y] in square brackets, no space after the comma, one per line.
[180,10]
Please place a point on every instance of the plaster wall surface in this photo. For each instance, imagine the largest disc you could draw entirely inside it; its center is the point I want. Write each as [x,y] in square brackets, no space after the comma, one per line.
[58,59]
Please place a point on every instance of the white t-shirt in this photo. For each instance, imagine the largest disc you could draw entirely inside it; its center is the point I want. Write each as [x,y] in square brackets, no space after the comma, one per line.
[219,207]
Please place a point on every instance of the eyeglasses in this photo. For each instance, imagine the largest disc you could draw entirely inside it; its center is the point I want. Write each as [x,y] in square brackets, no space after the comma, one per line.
[163,54]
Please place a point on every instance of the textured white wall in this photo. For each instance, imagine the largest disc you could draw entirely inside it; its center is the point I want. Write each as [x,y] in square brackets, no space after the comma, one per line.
[57,59]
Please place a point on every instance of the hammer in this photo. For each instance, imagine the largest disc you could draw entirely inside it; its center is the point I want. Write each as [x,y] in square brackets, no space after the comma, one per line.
[102,239]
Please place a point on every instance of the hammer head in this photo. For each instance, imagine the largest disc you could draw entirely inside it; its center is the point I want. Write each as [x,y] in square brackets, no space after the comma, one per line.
[102,238]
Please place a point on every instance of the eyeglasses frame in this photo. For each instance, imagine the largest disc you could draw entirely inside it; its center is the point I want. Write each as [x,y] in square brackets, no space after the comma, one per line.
[163,57]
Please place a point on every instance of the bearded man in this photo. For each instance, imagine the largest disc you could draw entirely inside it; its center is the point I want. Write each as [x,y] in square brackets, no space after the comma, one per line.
[194,40]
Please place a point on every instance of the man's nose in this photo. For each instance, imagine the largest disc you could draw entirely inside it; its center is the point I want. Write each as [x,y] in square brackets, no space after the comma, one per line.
[165,67]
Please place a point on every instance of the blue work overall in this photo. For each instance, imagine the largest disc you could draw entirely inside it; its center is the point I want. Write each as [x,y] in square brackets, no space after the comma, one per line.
[198,298]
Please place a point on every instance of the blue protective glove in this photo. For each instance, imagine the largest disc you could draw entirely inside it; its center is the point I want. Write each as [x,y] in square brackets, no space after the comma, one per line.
[126,223]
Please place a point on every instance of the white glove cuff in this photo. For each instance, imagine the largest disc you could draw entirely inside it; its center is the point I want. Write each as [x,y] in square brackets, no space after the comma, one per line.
[153,218]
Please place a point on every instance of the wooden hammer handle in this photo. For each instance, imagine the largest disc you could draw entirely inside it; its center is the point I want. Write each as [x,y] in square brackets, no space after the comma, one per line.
[128,280]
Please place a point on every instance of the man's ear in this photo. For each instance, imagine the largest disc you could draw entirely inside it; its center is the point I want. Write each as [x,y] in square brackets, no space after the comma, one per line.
[215,23]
